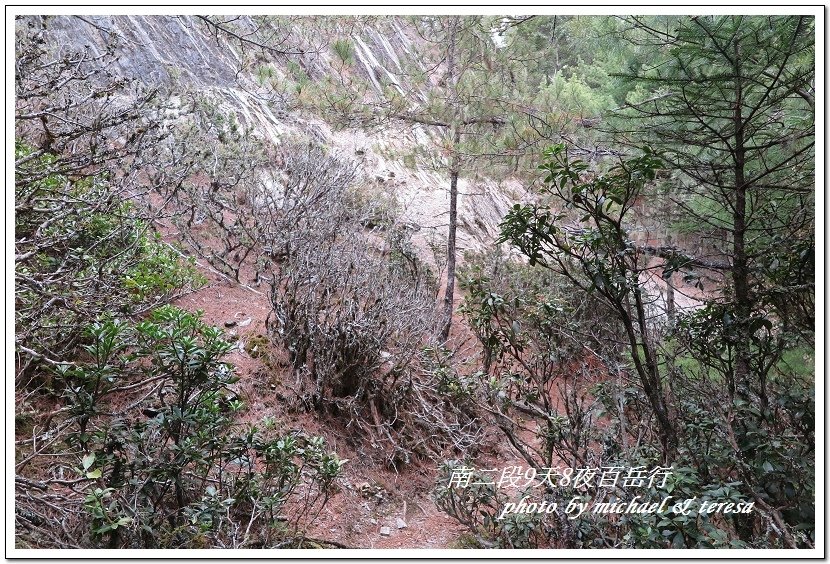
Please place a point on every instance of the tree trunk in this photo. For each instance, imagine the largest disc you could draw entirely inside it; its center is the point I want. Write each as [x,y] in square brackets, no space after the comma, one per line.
[649,373]
[449,293]
[671,313]
[455,167]
[740,271]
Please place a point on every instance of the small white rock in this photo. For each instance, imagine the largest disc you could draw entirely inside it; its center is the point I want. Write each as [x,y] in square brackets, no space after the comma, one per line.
[400,523]
[385,531]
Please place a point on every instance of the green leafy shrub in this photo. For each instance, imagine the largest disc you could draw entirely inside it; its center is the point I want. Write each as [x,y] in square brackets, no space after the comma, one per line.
[174,470]
[579,328]
[161,274]
[81,250]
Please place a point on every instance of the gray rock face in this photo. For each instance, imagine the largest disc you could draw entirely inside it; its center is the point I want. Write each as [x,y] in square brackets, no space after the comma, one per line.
[181,55]
[152,49]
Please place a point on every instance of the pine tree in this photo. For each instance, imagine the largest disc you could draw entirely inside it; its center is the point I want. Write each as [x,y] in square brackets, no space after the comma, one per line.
[731,107]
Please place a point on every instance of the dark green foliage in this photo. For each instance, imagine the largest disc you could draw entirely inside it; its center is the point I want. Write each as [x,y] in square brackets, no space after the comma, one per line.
[753,445]
[547,339]
[174,470]
[596,253]
[725,78]
[731,107]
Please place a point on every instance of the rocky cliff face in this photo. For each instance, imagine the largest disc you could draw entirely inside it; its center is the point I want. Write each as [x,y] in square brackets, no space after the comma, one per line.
[182,53]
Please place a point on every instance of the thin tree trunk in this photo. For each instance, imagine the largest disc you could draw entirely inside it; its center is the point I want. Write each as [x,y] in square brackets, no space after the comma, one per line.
[455,166]
[671,312]
[670,307]
[449,293]
[740,271]
[650,377]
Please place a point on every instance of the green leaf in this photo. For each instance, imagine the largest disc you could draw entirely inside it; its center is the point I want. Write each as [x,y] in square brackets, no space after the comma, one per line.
[88,460]
[94,474]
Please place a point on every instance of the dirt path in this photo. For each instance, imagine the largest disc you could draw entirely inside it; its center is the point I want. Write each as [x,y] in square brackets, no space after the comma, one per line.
[372,502]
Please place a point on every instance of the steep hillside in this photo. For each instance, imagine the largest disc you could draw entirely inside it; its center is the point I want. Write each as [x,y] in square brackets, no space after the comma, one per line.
[180,55]
[449,281]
